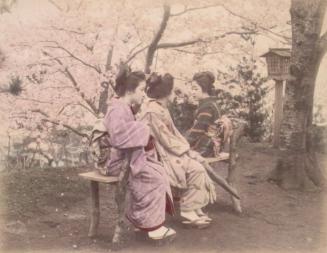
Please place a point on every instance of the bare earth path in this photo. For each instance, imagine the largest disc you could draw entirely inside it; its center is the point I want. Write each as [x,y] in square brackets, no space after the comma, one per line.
[47,211]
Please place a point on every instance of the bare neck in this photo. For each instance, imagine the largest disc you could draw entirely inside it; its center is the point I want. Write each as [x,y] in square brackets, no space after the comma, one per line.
[126,99]
[205,95]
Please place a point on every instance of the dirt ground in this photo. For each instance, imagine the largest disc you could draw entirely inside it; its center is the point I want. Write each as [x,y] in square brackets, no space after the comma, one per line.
[46,210]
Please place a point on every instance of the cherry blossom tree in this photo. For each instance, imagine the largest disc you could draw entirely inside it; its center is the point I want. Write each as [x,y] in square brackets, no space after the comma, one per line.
[67,64]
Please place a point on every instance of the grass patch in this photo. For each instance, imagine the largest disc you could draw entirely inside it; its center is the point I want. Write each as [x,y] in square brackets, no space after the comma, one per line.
[33,192]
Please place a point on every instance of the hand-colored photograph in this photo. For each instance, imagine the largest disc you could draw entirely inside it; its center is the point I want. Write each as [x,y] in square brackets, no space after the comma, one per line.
[163,126]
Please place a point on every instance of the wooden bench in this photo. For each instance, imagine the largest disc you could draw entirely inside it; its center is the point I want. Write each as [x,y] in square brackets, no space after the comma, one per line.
[120,184]
[232,165]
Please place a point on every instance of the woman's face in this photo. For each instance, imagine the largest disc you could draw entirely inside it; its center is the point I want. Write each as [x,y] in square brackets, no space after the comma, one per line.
[138,95]
[196,92]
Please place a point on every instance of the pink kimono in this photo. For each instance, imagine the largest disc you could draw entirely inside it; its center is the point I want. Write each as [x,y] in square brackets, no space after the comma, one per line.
[148,185]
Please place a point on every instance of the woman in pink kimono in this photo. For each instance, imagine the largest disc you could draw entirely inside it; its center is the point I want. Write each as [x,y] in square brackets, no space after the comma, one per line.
[148,185]
[183,166]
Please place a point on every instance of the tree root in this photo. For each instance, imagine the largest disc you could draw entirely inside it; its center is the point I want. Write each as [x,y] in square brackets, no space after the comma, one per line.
[298,171]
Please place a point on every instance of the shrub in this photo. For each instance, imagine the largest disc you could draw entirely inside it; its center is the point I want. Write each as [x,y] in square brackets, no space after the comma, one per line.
[15,85]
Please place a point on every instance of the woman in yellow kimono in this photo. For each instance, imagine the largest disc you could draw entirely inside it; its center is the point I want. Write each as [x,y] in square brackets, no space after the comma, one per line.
[183,166]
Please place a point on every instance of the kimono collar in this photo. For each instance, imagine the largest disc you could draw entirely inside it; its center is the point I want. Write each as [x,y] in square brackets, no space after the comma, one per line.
[158,102]
[207,100]
[153,106]
[153,102]
[134,109]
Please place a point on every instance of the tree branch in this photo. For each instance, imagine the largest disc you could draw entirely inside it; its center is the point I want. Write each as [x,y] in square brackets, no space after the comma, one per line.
[191,42]
[111,48]
[109,57]
[323,44]
[6,7]
[133,49]
[58,46]
[136,53]
[79,104]
[56,122]
[55,5]
[178,44]
[193,9]
[321,13]
[72,79]
[67,31]
[41,112]
[80,4]
[255,24]
[288,39]
[66,126]
[35,100]
[69,75]
[243,34]
[196,53]
[137,31]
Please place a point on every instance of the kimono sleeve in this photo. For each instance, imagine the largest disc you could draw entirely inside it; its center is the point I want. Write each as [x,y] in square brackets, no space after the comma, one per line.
[202,121]
[170,141]
[125,133]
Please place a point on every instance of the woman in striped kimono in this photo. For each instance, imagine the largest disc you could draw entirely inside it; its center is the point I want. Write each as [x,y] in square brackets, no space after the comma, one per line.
[186,173]
[148,185]
[210,132]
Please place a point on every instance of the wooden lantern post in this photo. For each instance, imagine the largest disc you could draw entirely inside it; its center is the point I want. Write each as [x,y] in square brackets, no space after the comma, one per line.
[278,112]
[278,61]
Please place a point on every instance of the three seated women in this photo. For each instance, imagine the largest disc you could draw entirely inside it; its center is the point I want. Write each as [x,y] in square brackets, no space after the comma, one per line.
[160,158]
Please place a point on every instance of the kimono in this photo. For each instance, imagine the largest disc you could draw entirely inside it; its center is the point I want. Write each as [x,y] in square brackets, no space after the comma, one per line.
[182,115]
[186,174]
[201,136]
[148,188]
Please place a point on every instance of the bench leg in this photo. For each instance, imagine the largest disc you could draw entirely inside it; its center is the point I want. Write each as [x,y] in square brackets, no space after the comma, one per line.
[95,209]
[231,179]
[236,203]
[120,201]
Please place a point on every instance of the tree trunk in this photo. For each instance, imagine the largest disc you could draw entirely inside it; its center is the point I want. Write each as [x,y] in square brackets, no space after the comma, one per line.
[297,167]
[157,37]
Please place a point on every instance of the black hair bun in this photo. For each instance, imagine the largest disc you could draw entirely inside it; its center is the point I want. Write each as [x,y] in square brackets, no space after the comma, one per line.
[158,86]
[122,75]
[205,80]
[153,80]
[205,76]
[167,79]
[123,72]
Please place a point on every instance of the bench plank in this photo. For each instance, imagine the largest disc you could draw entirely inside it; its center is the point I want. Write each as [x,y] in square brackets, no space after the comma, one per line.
[96,176]
[215,159]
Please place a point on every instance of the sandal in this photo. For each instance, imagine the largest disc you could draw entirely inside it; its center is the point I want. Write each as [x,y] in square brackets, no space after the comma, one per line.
[169,235]
[205,217]
[197,223]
